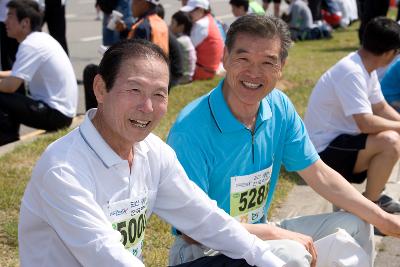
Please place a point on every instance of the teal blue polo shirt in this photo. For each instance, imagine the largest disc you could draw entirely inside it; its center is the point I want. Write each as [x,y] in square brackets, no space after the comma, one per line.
[234,166]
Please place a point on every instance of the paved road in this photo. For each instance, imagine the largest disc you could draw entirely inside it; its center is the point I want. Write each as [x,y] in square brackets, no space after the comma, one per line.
[302,200]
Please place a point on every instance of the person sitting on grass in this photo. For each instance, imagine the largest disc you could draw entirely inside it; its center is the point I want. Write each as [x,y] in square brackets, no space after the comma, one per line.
[232,143]
[93,190]
[42,63]
[206,38]
[355,131]
[181,25]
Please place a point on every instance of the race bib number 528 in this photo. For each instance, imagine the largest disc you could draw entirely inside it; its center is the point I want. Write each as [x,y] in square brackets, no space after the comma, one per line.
[248,196]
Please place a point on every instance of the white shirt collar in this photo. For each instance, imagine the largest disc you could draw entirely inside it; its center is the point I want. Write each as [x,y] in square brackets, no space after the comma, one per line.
[100,147]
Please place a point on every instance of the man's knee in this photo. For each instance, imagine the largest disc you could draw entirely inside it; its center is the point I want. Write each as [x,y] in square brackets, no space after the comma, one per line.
[182,252]
[291,252]
[389,142]
[360,230]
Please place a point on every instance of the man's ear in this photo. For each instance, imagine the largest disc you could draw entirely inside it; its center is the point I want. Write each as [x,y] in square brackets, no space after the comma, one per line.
[283,62]
[26,23]
[99,88]
[225,57]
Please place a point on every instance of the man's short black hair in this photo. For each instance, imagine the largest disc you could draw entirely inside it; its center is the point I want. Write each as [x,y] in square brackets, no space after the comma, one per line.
[183,18]
[113,58]
[381,35]
[263,27]
[27,9]
[239,3]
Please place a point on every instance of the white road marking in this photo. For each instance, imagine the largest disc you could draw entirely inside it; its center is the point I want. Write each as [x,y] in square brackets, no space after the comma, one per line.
[226,16]
[91,38]
[86,2]
[70,16]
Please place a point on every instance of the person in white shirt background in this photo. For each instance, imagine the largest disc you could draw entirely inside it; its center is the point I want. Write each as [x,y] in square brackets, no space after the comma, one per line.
[41,63]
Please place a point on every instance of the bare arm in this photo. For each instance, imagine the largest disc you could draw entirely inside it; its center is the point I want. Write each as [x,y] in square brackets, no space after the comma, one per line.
[332,186]
[5,74]
[10,84]
[384,118]
[383,109]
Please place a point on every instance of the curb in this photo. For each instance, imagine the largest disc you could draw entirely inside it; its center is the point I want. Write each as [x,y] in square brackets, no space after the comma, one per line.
[29,137]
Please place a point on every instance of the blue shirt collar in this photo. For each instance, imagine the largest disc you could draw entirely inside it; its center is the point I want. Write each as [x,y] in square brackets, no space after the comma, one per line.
[223,117]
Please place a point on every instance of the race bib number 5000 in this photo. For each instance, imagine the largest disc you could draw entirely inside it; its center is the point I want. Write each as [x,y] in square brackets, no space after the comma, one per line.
[129,218]
[249,195]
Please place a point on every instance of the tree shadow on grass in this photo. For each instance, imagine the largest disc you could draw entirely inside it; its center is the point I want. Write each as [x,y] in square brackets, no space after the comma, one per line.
[339,49]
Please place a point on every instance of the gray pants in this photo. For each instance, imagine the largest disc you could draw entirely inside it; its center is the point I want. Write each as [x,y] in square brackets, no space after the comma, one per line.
[292,252]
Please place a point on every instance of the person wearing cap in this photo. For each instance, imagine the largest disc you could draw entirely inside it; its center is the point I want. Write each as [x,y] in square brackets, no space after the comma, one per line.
[233,141]
[206,38]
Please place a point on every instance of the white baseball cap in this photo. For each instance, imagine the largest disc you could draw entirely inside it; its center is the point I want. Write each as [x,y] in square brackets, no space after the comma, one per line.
[154,2]
[193,4]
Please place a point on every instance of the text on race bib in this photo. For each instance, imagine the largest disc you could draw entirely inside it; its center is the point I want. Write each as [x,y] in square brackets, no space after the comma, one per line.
[248,196]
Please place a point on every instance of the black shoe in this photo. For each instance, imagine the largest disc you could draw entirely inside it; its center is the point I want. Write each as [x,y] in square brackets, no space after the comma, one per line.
[377,232]
[388,204]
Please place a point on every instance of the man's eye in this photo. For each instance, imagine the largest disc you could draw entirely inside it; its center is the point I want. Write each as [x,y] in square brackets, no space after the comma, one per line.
[161,95]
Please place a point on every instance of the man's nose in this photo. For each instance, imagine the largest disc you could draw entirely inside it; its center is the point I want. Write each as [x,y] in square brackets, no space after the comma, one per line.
[146,105]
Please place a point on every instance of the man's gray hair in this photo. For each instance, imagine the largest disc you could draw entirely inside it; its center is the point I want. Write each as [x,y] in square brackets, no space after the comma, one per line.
[260,26]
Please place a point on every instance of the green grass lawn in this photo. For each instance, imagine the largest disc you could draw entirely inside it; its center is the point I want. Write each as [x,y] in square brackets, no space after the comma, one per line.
[306,62]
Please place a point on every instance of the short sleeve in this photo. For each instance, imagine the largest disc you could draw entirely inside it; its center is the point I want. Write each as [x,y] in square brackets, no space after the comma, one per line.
[27,62]
[376,94]
[199,32]
[298,152]
[353,94]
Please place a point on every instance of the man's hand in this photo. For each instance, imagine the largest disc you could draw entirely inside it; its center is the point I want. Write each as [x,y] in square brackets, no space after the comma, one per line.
[120,26]
[189,240]
[271,232]
[390,225]
[305,240]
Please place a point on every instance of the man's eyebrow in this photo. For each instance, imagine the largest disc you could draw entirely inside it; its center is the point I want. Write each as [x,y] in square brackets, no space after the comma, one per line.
[241,50]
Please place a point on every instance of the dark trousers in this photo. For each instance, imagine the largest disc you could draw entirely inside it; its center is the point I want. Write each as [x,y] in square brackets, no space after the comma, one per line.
[17,108]
[369,9]
[315,7]
[9,47]
[216,261]
[54,16]
[398,12]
